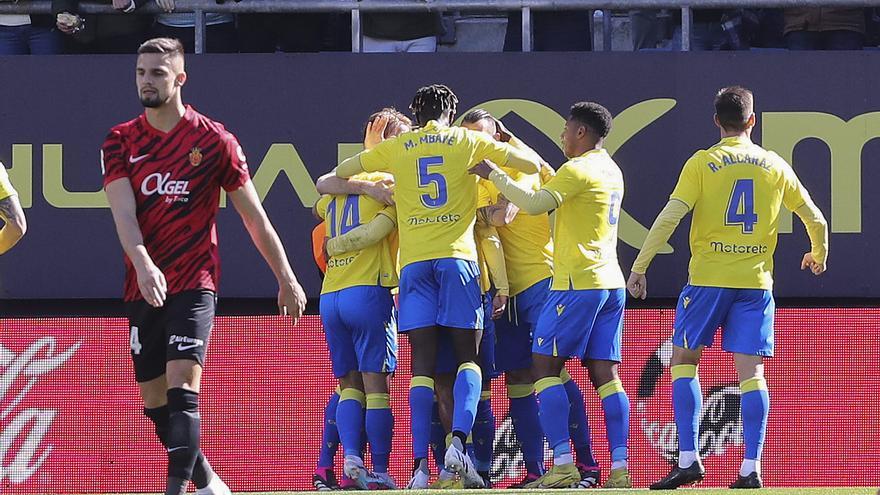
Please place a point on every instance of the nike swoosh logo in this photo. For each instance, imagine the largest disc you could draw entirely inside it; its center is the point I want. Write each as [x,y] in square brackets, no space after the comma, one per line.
[177,448]
[135,159]
[186,347]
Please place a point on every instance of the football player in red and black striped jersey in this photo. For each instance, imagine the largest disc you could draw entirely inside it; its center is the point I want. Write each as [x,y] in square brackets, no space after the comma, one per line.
[163,172]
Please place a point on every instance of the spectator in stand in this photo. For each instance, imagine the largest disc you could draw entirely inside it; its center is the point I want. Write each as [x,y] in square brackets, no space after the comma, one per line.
[401,32]
[29,35]
[109,33]
[552,31]
[713,29]
[821,28]
[268,33]
[220,33]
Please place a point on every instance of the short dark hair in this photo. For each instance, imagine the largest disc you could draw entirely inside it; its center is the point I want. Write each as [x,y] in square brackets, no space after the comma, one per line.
[430,102]
[395,120]
[733,106]
[477,115]
[170,46]
[592,115]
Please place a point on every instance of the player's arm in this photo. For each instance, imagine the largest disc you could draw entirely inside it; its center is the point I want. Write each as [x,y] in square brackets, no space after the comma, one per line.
[661,230]
[499,214]
[364,235]
[15,224]
[382,191]
[376,159]
[291,298]
[529,201]
[150,279]
[796,198]
[489,244]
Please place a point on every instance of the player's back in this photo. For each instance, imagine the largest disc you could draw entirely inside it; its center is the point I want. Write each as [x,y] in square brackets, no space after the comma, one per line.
[435,196]
[736,190]
[374,265]
[528,247]
[589,189]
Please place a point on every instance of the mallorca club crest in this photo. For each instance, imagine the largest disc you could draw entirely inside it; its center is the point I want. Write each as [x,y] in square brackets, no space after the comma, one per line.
[195,156]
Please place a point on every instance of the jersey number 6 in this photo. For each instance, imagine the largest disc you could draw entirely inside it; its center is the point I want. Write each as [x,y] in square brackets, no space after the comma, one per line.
[426,178]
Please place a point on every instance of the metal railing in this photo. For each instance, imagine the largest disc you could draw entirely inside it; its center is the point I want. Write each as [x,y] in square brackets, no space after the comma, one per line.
[356,7]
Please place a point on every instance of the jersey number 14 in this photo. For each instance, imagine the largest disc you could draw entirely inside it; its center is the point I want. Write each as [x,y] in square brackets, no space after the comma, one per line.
[741,209]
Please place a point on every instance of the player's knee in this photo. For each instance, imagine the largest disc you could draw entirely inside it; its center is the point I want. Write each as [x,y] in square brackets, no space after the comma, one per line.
[183,400]
[545,366]
[375,383]
[680,355]
[353,380]
[601,371]
[748,366]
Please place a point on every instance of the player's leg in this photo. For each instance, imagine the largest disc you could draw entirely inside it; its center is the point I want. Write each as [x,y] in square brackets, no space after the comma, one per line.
[483,433]
[699,313]
[444,380]
[460,314]
[324,478]
[514,357]
[419,293]
[603,357]
[372,317]
[748,333]
[579,430]
[562,331]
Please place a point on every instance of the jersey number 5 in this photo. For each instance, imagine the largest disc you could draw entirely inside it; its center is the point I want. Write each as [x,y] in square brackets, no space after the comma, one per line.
[350,215]
[741,209]
[427,178]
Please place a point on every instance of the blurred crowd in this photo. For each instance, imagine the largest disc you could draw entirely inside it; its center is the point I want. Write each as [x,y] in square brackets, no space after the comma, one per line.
[67,30]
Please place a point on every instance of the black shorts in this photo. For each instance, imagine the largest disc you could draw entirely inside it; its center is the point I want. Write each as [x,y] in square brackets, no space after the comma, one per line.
[178,330]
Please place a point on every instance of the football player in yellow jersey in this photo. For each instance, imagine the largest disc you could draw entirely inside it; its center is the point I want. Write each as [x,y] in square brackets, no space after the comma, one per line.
[15,224]
[583,315]
[528,255]
[736,191]
[439,286]
[357,312]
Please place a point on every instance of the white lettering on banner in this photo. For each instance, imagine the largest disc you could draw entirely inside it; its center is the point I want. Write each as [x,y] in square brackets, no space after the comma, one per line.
[158,183]
[32,422]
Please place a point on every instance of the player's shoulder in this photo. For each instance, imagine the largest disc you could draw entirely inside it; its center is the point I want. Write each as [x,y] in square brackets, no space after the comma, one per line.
[124,129]
[211,126]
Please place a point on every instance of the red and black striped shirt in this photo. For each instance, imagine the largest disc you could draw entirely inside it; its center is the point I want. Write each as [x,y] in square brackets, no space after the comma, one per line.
[176,178]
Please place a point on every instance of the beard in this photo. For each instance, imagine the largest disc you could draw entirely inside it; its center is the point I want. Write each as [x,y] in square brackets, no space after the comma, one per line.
[151,101]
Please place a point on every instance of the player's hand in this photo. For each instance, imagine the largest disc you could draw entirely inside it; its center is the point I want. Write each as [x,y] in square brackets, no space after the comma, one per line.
[375,133]
[499,304]
[502,134]
[637,285]
[810,262]
[483,169]
[382,191]
[546,173]
[291,300]
[151,282]
[166,5]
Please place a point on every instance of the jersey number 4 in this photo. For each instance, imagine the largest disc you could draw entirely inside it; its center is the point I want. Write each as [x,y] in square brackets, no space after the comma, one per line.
[428,178]
[350,215]
[741,209]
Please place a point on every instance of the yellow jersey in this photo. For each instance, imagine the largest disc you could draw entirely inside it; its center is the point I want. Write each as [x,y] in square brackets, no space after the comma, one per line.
[736,190]
[372,265]
[436,196]
[589,192]
[527,242]
[6,188]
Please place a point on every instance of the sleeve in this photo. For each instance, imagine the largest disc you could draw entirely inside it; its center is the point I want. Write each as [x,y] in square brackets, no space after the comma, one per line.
[794,194]
[817,229]
[390,212]
[660,232]
[113,159]
[379,158]
[234,169]
[318,235]
[484,196]
[6,189]
[564,185]
[321,206]
[486,148]
[529,201]
[688,188]
[493,253]
[360,237]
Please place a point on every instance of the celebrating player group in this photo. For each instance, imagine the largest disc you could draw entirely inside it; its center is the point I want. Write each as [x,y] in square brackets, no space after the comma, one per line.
[441,231]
